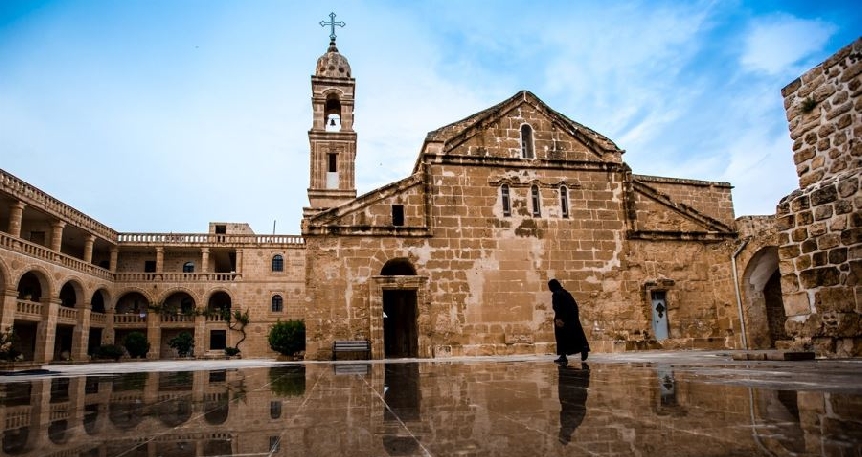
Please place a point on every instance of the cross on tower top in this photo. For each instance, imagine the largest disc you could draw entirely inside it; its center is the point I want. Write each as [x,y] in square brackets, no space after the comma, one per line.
[332,23]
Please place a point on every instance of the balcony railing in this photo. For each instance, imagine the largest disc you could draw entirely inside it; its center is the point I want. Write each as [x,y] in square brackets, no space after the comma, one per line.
[98,318]
[41,252]
[33,196]
[28,308]
[175,277]
[68,315]
[130,319]
[208,239]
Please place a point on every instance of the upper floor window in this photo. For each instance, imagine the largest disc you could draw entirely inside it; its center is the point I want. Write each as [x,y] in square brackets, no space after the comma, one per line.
[189,267]
[564,200]
[277,304]
[277,263]
[527,142]
[332,160]
[504,198]
[537,200]
[398,215]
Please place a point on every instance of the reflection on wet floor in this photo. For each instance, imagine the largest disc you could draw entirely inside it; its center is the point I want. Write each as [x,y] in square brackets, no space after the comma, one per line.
[437,408]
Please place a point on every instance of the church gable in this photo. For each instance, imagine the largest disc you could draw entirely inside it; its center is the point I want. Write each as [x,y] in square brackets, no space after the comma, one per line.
[396,209]
[520,128]
[654,214]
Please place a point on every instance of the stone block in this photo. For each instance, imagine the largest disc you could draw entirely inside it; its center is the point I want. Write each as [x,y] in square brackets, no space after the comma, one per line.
[835,299]
[799,203]
[838,256]
[824,195]
[818,277]
[804,218]
[799,234]
[831,240]
[803,155]
[796,304]
[822,212]
[809,245]
[847,187]
[803,262]
[785,222]
[843,207]
[851,237]
[820,259]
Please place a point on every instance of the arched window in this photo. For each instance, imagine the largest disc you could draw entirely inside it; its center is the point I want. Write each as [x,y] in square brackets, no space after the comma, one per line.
[527,142]
[332,113]
[564,200]
[275,409]
[537,201]
[277,263]
[189,267]
[277,304]
[504,198]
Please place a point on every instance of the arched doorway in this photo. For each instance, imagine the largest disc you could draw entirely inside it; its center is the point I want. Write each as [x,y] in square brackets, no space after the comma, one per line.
[761,283]
[400,313]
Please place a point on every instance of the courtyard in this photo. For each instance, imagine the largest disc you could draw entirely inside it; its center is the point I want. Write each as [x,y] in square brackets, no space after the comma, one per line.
[644,403]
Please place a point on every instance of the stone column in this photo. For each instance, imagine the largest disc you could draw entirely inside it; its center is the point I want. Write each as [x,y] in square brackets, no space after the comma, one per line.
[16,214]
[160,259]
[154,335]
[9,307]
[113,265]
[205,258]
[81,333]
[200,336]
[46,331]
[239,262]
[57,235]
[88,248]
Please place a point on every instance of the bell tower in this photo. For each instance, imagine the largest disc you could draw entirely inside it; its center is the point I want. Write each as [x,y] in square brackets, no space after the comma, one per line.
[332,139]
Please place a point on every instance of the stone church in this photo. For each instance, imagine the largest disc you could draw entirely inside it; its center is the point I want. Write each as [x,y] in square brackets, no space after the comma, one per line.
[452,260]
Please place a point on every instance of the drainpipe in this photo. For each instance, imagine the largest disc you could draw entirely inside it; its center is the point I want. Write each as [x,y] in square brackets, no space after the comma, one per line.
[736,289]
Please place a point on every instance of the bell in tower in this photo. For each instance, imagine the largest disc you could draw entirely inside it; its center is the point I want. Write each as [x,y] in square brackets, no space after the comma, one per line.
[332,139]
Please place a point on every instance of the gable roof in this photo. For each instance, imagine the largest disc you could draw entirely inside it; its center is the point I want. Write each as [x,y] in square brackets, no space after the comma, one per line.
[457,132]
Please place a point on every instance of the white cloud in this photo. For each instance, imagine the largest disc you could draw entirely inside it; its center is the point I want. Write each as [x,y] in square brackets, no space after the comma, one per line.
[775,43]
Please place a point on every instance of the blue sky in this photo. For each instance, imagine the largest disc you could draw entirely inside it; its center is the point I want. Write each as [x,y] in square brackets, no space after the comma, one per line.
[164,115]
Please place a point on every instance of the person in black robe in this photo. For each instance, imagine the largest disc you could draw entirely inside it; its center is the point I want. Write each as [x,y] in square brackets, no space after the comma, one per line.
[572,391]
[567,325]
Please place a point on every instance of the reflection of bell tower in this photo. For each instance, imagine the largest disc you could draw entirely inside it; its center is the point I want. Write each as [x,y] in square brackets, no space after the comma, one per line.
[333,141]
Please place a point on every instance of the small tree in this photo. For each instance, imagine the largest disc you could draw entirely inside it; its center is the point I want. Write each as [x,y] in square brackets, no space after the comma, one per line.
[8,339]
[137,345]
[110,351]
[184,343]
[287,338]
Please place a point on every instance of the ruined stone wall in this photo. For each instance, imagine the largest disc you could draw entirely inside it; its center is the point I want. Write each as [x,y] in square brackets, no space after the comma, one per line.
[820,224]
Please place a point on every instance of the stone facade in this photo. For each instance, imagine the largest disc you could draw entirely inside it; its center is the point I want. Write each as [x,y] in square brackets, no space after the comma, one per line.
[820,224]
[454,258]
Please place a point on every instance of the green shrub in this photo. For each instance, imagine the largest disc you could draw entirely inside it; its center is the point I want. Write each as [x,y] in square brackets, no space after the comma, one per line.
[184,343]
[110,351]
[287,338]
[8,341]
[231,351]
[137,345]
[287,381]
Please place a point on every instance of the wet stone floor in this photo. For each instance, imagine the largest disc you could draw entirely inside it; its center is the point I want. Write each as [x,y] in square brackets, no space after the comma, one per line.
[644,404]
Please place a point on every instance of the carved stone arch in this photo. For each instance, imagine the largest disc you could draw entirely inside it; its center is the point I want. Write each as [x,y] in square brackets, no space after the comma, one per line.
[106,299]
[5,277]
[333,107]
[121,305]
[72,293]
[166,299]
[219,297]
[762,299]
[42,279]
[400,266]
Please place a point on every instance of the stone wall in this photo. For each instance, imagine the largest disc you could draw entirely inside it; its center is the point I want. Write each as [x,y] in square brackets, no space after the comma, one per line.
[820,224]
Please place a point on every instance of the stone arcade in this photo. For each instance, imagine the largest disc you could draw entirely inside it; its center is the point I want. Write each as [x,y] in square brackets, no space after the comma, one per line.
[453,259]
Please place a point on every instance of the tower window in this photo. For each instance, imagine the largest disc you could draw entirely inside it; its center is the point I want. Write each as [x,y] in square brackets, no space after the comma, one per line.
[333,162]
[398,215]
[537,201]
[277,304]
[527,142]
[277,263]
[189,267]
[504,198]
[564,200]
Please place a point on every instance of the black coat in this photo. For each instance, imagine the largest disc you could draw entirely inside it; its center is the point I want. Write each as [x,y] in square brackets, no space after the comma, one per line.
[570,337]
